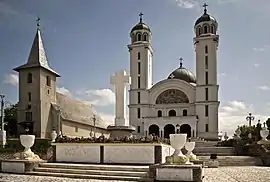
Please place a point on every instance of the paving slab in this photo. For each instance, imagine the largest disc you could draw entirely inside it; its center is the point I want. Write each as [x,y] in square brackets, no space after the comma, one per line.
[221,174]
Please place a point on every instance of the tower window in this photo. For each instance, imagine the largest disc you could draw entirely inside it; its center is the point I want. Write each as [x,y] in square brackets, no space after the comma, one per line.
[206,127]
[159,113]
[206,110]
[206,78]
[138,129]
[29,96]
[206,62]
[29,107]
[139,97]
[184,112]
[48,81]
[206,94]
[133,38]
[144,37]
[212,29]
[139,82]
[139,55]
[139,37]
[205,29]
[138,112]
[28,116]
[206,49]
[199,31]
[172,113]
[29,78]
[139,67]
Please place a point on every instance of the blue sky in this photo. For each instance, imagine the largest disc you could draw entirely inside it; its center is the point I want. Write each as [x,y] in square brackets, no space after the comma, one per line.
[85,42]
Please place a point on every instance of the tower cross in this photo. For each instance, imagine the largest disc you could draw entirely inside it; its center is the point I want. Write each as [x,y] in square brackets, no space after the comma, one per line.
[181,62]
[141,16]
[205,7]
[38,22]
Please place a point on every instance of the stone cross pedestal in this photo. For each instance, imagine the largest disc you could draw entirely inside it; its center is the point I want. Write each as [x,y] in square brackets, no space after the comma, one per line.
[120,81]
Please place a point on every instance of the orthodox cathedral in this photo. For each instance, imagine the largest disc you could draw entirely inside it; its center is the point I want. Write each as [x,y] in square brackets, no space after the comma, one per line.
[181,102]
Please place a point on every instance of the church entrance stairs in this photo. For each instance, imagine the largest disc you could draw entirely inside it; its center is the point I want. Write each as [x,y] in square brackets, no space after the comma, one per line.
[234,160]
[93,171]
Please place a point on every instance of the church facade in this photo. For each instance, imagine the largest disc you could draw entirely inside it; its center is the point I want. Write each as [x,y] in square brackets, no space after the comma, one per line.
[182,101]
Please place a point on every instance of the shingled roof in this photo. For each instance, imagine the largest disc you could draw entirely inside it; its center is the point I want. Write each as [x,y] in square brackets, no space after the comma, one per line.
[77,111]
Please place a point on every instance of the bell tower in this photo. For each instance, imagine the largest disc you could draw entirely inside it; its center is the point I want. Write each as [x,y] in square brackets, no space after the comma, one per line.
[206,42]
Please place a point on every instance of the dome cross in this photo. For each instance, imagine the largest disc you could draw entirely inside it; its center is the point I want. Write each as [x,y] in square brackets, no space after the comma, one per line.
[181,62]
[205,8]
[141,16]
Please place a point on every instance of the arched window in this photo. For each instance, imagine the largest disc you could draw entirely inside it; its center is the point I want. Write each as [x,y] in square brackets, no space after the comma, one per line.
[205,29]
[159,113]
[133,38]
[139,37]
[199,31]
[29,78]
[212,29]
[206,49]
[184,112]
[144,37]
[172,113]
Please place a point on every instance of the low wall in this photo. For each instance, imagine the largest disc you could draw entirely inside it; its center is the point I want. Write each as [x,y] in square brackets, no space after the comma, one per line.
[124,153]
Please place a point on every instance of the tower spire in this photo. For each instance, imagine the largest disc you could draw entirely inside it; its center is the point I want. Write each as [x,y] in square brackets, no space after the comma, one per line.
[205,8]
[141,16]
[181,62]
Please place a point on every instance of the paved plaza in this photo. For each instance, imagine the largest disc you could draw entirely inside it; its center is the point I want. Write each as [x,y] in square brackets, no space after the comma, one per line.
[222,174]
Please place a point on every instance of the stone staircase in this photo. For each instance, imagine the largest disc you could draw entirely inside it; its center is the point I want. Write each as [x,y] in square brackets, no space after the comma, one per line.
[93,171]
[226,155]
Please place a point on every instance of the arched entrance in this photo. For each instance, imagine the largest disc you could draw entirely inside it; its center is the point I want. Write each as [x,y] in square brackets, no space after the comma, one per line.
[154,130]
[186,128]
[168,129]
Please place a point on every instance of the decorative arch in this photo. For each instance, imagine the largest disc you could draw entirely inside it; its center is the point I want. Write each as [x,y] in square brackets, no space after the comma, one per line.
[172,96]
[186,128]
[212,27]
[169,129]
[154,130]
[199,31]
[205,28]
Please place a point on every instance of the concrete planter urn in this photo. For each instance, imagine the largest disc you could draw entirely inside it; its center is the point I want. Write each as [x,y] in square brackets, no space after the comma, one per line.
[27,142]
[177,142]
[264,133]
[189,146]
[53,135]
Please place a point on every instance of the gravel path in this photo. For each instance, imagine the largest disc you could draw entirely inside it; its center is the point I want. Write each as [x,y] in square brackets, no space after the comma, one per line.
[222,174]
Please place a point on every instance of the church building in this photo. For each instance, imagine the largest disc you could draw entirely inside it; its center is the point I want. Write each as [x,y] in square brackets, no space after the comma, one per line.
[42,109]
[181,102]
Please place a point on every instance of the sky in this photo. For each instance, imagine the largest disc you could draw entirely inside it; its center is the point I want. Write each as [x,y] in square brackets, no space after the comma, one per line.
[86,42]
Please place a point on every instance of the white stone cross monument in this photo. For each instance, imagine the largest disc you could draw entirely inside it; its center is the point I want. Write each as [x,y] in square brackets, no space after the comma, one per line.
[120,80]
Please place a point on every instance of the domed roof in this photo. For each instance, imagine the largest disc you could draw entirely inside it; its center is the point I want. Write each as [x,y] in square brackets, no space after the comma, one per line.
[183,74]
[206,17]
[140,25]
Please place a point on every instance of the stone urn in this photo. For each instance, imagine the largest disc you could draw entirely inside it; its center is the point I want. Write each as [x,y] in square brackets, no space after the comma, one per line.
[177,142]
[189,146]
[53,135]
[264,132]
[27,142]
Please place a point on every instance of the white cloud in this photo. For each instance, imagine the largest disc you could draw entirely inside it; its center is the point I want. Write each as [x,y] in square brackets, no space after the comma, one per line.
[100,97]
[187,4]
[64,91]
[234,113]
[261,49]
[263,87]
[12,79]
[256,65]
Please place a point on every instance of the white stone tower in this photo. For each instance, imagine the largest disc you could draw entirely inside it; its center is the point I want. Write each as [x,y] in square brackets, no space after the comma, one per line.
[206,45]
[37,90]
[141,54]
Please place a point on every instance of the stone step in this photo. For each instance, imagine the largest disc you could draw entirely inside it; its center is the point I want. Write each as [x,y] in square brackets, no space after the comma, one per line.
[93,172]
[217,150]
[206,144]
[141,168]
[86,176]
[219,154]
